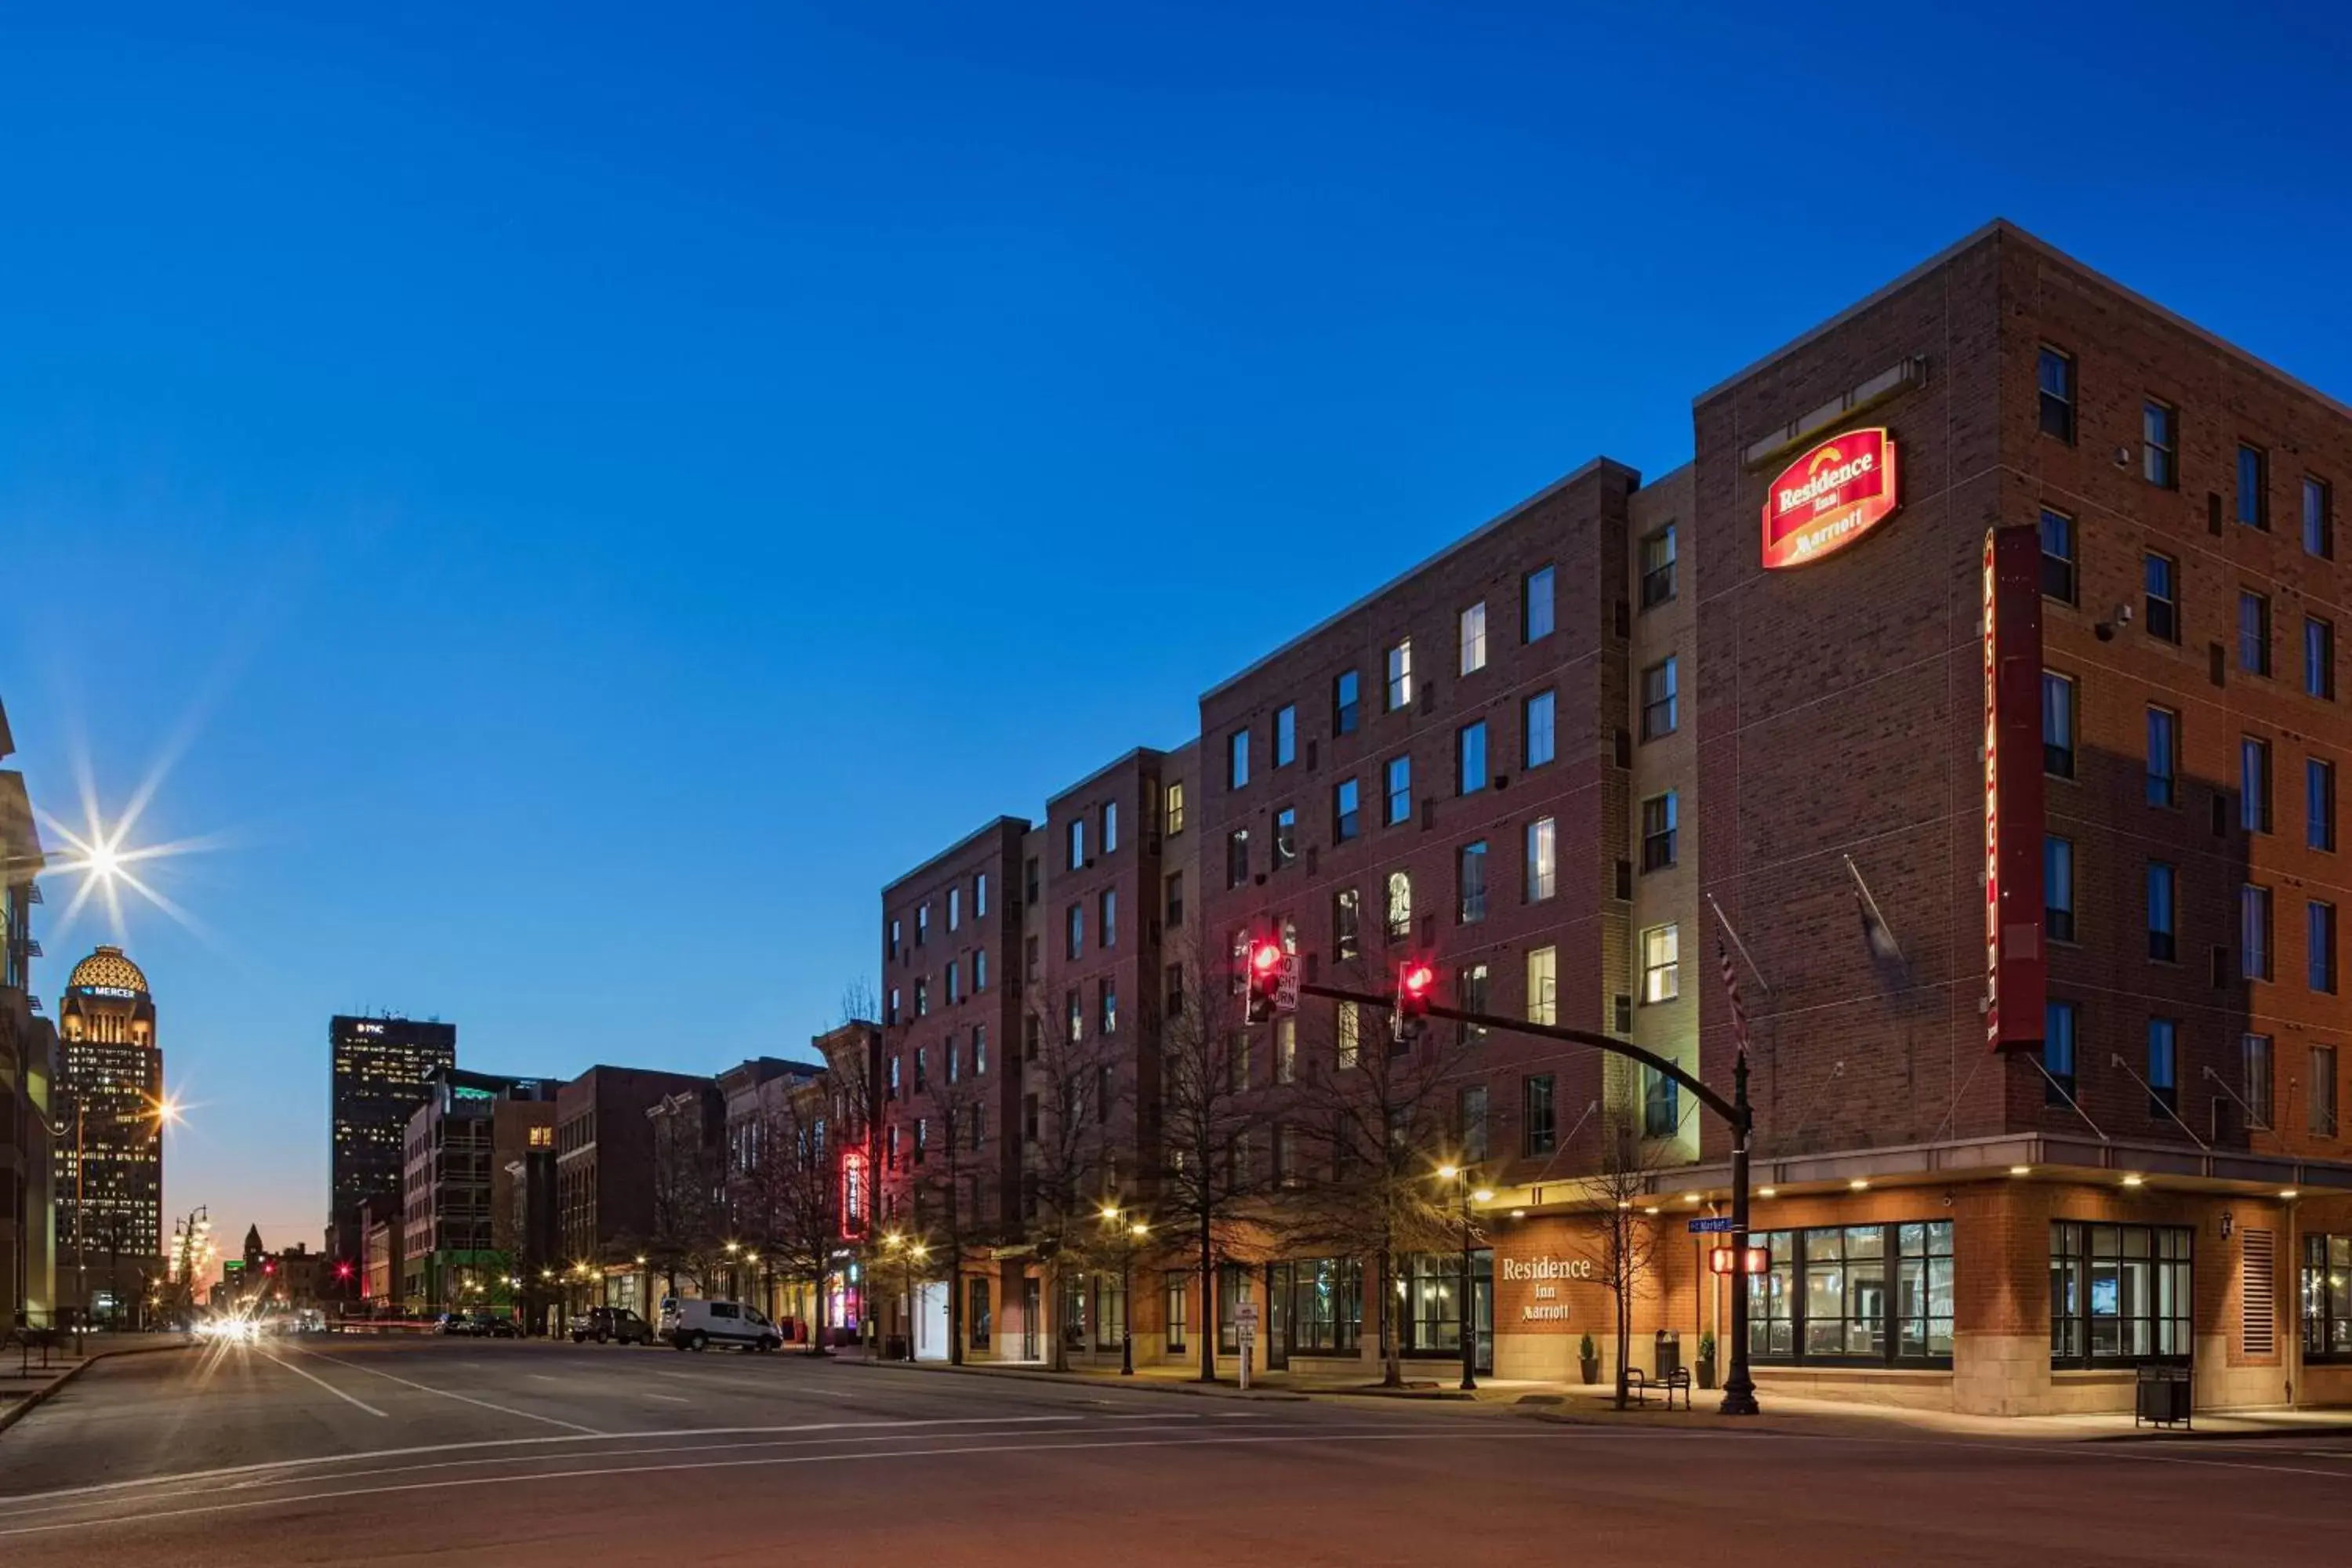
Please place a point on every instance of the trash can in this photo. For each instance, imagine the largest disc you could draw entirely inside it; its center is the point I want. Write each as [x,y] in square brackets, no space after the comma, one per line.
[1669,1354]
[2162,1396]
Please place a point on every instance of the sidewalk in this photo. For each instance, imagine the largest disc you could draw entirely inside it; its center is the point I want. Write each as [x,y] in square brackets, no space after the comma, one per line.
[27,1380]
[1583,1405]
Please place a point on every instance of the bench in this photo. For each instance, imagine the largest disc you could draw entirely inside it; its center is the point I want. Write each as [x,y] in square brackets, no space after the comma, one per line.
[1639,1383]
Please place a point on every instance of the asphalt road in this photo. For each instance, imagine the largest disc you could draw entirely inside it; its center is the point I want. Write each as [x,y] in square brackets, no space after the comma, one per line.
[409,1451]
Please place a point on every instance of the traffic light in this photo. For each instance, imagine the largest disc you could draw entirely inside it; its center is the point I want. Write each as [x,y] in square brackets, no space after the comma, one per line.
[270,1267]
[1264,965]
[1416,984]
[343,1270]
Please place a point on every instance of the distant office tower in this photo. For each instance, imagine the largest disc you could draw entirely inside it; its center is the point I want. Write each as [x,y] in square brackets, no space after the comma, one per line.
[381,1069]
[109,1150]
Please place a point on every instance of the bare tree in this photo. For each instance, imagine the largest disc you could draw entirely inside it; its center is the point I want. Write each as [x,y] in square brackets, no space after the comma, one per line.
[1624,1241]
[789,1197]
[1371,1121]
[1073,1161]
[1207,1112]
[688,1190]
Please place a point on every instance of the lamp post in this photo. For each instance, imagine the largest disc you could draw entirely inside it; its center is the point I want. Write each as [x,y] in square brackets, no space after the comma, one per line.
[1469,1332]
[1134,1233]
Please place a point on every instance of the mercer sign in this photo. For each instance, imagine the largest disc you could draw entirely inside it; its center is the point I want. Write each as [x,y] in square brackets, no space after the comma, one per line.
[1829,498]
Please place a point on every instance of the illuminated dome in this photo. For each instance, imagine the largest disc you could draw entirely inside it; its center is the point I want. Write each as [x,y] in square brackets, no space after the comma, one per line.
[108,968]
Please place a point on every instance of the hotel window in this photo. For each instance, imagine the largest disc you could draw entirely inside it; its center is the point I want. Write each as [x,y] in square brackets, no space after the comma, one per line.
[1110,826]
[1397,918]
[2058,888]
[1399,669]
[1661,964]
[2318,658]
[1543,859]
[1658,687]
[1474,638]
[2058,557]
[1470,757]
[1535,605]
[1538,1133]
[2119,1293]
[2254,1078]
[2253,486]
[1173,812]
[2319,941]
[1347,815]
[2253,784]
[2054,377]
[1077,844]
[1826,1297]
[2163,757]
[2057,724]
[1658,567]
[2163,901]
[1470,995]
[1346,919]
[1347,1033]
[1237,758]
[2163,1067]
[1286,734]
[1658,832]
[1175,893]
[2160,424]
[1237,871]
[2327,1297]
[2058,1051]
[1346,706]
[2318,519]
[1472,883]
[2253,632]
[1543,986]
[1538,728]
[1285,836]
[2161,575]
[1075,930]
[1661,1108]
[2318,804]
[1107,922]
[2323,1090]
[1470,1121]
[2254,932]
[1400,790]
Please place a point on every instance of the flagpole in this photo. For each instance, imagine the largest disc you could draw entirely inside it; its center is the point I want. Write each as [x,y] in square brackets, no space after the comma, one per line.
[1761,983]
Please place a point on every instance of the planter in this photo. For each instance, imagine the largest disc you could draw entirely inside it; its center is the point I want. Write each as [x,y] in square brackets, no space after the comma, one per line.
[1706,1375]
[1590,1367]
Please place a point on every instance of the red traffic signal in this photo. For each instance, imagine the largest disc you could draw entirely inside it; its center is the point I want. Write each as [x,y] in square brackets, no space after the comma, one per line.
[1265,966]
[343,1270]
[270,1267]
[1739,1259]
[1416,985]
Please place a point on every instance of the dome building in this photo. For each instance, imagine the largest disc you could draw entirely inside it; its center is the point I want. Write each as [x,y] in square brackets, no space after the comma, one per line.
[109,1153]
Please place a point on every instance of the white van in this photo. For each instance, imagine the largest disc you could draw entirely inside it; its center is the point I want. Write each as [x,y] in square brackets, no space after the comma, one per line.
[693,1324]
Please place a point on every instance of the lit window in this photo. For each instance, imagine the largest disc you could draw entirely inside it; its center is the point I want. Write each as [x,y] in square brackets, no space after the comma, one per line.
[1285,836]
[1474,638]
[1543,986]
[1398,915]
[1543,859]
[1660,964]
[1400,665]
[1174,812]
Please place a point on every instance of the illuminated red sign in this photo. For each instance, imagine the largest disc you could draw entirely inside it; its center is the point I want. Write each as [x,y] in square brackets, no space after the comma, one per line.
[1829,498]
[2016,976]
[853,1193]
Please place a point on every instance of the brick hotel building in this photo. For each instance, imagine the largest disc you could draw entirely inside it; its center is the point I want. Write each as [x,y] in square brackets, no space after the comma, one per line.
[1973,687]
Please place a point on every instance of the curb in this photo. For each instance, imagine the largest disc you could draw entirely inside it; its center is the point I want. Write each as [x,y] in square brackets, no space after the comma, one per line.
[23,1407]
[1088,1380]
[2266,1434]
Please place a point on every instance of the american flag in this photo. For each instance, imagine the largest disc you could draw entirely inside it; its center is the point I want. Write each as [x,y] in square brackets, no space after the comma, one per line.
[1731,989]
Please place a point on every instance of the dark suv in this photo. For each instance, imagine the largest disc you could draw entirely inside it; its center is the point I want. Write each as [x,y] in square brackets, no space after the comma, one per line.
[603,1323]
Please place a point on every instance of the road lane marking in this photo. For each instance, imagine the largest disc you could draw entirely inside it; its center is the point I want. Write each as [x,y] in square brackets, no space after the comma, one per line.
[670,1399]
[309,1499]
[322,1383]
[468,1398]
[885,1428]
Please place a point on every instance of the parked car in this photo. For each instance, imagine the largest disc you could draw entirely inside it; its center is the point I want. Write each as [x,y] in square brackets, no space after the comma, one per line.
[490,1325]
[693,1324]
[452,1323]
[607,1324]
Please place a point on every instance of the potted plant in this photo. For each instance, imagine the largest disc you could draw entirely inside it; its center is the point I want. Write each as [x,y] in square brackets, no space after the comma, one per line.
[1588,1359]
[1706,1360]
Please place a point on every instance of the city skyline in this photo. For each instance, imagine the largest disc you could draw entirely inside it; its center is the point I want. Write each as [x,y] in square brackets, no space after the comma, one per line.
[446,661]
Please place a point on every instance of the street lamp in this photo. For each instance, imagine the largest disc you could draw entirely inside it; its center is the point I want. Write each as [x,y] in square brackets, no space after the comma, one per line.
[1135,1232]
[1469,1332]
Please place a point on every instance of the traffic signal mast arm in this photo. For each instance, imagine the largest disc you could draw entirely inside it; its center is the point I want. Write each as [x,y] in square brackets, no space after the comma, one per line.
[1734,1115]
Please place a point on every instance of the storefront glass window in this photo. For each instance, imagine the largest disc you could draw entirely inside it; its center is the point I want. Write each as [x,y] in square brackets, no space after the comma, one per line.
[1429,1294]
[1858,1293]
[1074,1311]
[1327,1306]
[1179,1285]
[1233,1290]
[2119,1293]
[2327,1297]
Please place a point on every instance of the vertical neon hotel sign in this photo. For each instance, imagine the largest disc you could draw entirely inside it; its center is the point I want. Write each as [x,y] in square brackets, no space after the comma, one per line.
[2016,972]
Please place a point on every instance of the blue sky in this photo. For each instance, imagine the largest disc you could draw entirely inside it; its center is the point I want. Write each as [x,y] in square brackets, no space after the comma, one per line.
[575,499]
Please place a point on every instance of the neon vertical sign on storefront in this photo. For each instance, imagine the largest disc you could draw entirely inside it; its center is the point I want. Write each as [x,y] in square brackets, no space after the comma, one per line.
[1829,498]
[853,1193]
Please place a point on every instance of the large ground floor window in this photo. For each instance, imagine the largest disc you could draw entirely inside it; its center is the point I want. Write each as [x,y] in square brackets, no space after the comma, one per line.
[2327,1297]
[2118,1294]
[1856,1295]
[1327,1304]
[1429,1300]
[1094,1312]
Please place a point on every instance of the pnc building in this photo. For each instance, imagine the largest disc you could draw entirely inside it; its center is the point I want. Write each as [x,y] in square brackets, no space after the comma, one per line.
[109,1153]
[382,1069]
